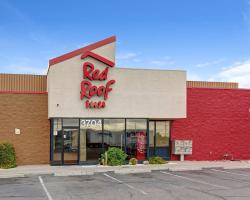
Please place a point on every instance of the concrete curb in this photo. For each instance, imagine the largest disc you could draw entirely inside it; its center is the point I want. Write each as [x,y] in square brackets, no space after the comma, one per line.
[24,171]
[12,175]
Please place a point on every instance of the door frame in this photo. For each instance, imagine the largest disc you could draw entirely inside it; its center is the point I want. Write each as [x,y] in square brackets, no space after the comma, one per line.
[78,142]
[155,127]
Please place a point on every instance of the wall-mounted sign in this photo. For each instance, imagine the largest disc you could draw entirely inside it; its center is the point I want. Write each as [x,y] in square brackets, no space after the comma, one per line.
[182,147]
[90,75]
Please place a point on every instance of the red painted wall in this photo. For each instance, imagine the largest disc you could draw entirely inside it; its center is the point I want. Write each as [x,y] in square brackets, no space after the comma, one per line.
[218,122]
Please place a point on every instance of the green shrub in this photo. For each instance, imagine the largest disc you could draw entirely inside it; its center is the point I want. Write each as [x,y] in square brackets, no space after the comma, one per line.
[157,160]
[7,156]
[132,161]
[115,156]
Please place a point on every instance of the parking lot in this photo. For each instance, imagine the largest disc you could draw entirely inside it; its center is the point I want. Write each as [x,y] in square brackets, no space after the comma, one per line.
[205,184]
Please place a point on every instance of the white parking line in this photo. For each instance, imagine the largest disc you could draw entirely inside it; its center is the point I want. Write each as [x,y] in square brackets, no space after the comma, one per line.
[130,186]
[44,188]
[233,173]
[195,180]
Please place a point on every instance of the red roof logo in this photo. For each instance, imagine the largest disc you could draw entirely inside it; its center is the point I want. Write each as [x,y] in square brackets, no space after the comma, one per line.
[98,57]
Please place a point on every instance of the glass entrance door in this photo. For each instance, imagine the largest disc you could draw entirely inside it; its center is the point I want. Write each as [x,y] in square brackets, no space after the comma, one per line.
[91,140]
[70,146]
[159,139]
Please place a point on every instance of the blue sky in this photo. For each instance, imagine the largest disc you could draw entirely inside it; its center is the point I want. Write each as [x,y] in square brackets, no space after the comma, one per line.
[208,38]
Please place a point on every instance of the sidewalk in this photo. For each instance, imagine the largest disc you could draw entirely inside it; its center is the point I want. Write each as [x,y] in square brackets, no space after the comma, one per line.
[27,170]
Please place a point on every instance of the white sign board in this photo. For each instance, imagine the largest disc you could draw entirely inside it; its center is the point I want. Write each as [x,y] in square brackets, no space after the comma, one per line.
[182,147]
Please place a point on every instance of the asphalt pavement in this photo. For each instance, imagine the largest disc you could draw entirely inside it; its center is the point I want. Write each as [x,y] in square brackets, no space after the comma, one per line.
[207,184]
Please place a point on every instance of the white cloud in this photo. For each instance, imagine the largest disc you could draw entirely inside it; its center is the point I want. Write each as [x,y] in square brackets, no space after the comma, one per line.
[211,63]
[125,56]
[162,62]
[137,60]
[166,60]
[246,15]
[237,73]
[158,62]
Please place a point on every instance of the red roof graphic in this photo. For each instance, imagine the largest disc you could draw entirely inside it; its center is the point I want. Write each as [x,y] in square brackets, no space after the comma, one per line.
[98,57]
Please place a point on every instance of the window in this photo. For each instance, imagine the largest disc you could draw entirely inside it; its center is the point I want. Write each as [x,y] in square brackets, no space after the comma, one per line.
[69,145]
[90,139]
[151,138]
[70,122]
[57,140]
[136,134]
[113,134]
[162,134]
[159,139]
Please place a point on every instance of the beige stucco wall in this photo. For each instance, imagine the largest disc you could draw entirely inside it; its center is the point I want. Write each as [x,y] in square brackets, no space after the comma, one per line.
[137,93]
[107,51]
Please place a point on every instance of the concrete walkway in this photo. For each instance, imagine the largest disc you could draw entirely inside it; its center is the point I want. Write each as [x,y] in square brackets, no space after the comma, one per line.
[27,170]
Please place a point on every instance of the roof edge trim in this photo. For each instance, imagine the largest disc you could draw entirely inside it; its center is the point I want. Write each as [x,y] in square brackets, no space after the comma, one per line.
[77,52]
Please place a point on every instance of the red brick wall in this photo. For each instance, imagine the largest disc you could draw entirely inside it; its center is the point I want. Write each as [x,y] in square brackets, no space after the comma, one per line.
[218,122]
[29,113]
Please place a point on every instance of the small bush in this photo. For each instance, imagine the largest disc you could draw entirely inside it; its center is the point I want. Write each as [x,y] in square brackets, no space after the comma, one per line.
[7,156]
[157,160]
[132,161]
[115,156]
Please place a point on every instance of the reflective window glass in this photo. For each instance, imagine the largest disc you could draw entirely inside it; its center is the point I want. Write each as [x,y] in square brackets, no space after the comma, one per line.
[90,139]
[57,140]
[136,133]
[162,133]
[113,135]
[151,138]
[71,122]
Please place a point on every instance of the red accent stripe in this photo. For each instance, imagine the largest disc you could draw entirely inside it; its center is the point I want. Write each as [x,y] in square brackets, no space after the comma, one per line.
[98,57]
[81,51]
[22,92]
